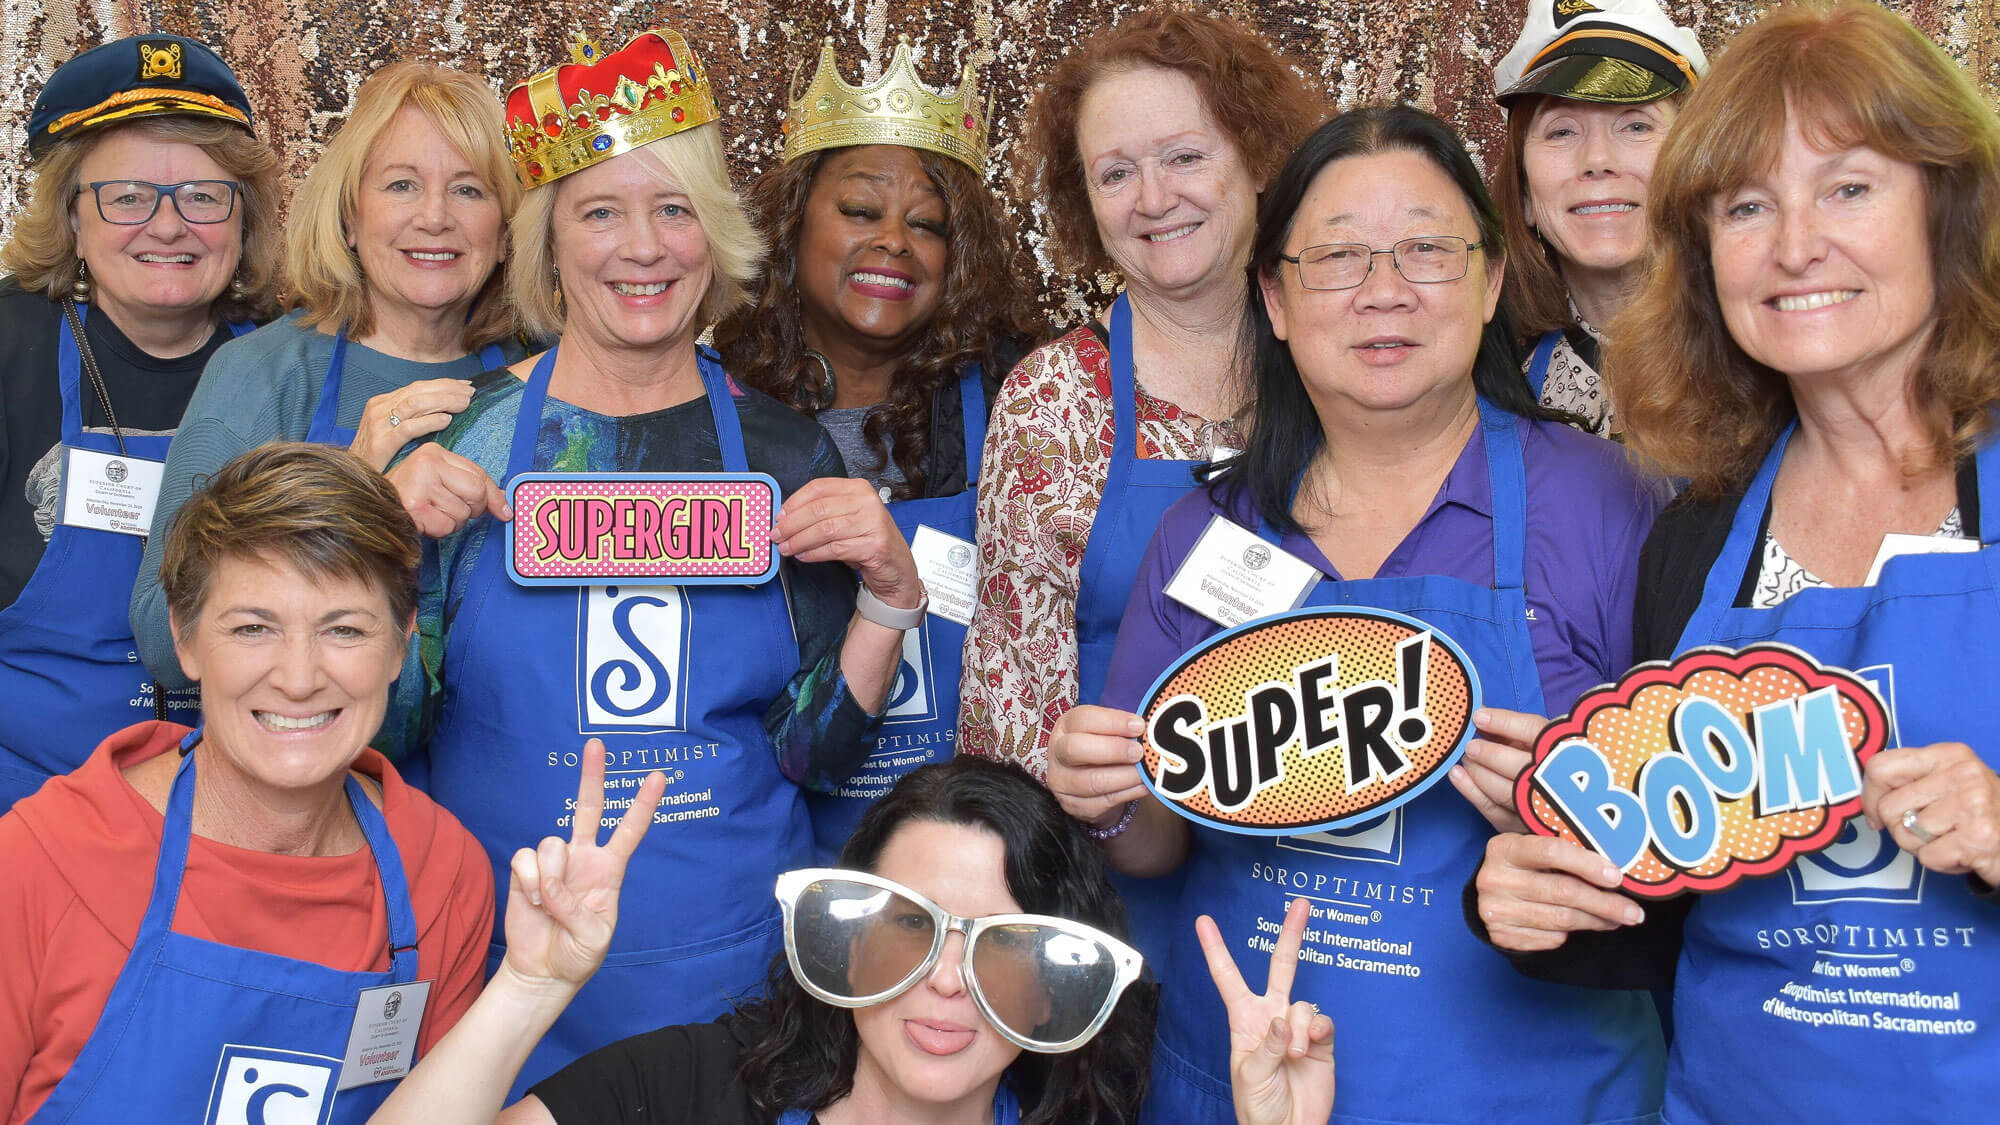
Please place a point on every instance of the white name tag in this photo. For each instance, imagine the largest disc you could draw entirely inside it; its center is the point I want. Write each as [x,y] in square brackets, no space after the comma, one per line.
[109,491]
[382,1045]
[949,567]
[1897,543]
[1233,576]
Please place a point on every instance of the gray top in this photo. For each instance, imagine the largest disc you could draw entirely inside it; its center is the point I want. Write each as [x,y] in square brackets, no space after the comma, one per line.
[863,460]
[261,387]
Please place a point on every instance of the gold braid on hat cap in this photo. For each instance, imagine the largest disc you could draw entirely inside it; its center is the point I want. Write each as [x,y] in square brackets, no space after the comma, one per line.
[898,109]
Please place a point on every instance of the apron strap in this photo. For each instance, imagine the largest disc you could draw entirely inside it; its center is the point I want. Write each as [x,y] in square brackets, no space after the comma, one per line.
[1986,464]
[492,357]
[1725,577]
[722,406]
[972,413]
[1124,450]
[69,374]
[1508,475]
[178,828]
[1538,364]
[323,422]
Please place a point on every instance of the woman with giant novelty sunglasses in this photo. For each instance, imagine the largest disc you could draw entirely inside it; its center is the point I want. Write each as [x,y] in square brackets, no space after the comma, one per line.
[883,1014]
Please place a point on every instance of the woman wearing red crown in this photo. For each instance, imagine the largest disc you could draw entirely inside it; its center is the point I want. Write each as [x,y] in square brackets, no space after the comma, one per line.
[889,309]
[630,240]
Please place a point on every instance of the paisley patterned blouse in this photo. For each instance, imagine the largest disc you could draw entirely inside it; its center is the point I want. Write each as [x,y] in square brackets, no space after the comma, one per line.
[1048,452]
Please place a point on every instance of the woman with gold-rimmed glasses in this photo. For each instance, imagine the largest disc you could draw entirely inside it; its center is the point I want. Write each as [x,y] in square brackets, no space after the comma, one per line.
[1397,452]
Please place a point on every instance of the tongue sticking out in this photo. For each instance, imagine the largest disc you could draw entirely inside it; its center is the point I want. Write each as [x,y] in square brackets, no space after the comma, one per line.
[934,1040]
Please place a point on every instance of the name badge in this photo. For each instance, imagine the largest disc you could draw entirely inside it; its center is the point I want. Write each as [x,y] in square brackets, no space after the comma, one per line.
[1233,576]
[949,567]
[382,1044]
[109,491]
[1896,544]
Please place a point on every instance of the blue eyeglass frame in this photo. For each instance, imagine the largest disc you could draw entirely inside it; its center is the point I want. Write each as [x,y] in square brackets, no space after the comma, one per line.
[162,191]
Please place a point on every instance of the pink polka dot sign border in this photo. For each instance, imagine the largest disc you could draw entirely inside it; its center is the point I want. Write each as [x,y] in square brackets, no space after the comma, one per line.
[1721,765]
[1307,721]
[681,529]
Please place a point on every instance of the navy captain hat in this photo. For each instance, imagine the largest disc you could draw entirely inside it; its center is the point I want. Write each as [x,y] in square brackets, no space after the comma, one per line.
[127,79]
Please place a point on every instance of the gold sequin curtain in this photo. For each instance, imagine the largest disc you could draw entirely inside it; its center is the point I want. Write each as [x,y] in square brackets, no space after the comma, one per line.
[300,60]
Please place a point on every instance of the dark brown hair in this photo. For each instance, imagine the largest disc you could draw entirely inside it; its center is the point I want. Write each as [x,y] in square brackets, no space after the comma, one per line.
[1855,75]
[983,308]
[316,508]
[1250,91]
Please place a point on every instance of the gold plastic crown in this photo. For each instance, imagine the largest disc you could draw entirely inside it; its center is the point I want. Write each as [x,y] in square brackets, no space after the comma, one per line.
[598,106]
[898,109]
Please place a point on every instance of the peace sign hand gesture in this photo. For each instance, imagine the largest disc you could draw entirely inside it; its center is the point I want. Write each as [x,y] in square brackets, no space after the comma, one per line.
[562,899]
[1280,1053]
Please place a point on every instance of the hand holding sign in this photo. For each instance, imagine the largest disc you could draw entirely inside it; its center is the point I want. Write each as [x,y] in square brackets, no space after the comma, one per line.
[1719,766]
[562,898]
[843,519]
[1280,1052]
[1493,762]
[1941,803]
[443,491]
[1534,891]
[1091,754]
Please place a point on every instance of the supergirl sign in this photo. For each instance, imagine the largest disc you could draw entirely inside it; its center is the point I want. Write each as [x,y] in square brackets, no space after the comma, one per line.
[587,529]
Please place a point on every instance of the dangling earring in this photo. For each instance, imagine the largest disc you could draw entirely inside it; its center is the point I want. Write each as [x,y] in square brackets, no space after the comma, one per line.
[79,290]
[238,291]
[824,398]
[558,290]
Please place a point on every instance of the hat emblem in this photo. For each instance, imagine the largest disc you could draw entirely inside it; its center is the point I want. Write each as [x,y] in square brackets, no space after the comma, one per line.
[1567,10]
[159,60]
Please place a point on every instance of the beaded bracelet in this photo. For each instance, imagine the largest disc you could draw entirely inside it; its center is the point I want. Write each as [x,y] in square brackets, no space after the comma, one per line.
[1118,829]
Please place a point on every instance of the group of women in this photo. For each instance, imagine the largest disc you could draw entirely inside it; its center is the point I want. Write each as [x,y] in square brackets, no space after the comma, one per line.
[1776,280]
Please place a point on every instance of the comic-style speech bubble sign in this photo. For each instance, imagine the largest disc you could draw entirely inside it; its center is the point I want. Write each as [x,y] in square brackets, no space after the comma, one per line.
[585,529]
[1697,773]
[1307,721]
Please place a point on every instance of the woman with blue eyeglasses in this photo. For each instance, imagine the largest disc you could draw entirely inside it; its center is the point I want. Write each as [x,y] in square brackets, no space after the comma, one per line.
[149,239]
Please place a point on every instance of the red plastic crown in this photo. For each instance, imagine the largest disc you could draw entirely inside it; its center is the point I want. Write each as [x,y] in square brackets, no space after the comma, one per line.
[598,106]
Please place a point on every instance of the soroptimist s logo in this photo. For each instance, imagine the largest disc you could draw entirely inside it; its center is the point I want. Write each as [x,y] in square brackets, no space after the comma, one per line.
[116,471]
[1308,721]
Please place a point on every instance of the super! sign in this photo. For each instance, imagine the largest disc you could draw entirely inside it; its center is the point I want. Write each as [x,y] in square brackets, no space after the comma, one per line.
[1307,721]
[586,529]
[1697,774]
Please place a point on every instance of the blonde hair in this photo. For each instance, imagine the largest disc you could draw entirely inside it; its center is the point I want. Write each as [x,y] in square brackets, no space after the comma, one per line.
[316,508]
[1851,74]
[324,271]
[692,161]
[42,252]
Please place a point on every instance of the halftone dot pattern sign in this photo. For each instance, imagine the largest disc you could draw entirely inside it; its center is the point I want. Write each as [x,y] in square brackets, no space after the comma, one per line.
[1314,793]
[1629,723]
[581,529]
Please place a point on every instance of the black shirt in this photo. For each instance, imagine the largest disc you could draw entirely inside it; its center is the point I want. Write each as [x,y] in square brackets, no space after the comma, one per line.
[674,1075]
[148,394]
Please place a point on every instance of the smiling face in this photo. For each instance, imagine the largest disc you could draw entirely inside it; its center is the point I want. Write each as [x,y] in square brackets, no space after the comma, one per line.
[1175,204]
[1822,264]
[930,1045]
[1587,167]
[1386,344]
[165,266]
[873,247]
[294,670]
[427,228]
[633,258]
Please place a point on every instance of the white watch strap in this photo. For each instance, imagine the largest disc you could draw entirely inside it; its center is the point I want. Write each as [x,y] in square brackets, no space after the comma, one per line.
[889,616]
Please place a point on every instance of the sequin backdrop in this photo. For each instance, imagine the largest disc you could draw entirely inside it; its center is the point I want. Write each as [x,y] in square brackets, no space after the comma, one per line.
[301,60]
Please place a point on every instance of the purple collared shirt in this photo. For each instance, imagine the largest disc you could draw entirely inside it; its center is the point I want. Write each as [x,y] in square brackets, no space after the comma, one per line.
[1588,512]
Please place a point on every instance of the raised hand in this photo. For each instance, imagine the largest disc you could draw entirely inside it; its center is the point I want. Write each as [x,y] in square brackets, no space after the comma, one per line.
[394,419]
[843,519]
[1485,776]
[1280,1052]
[562,898]
[1093,754]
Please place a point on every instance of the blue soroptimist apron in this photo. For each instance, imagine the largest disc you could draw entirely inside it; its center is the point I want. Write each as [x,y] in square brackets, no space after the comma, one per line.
[1433,1025]
[326,431]
[69,669]
[245,1034]
[1006,1109]
[1854,985]
[1538,363]
[671,678]
[920,725]
[1137,492]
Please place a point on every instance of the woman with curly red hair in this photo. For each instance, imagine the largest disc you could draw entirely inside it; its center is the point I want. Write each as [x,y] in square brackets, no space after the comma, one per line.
[890,305]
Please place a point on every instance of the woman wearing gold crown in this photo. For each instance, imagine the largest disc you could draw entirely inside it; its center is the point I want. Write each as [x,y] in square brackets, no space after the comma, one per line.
[628,242]
[890,306]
